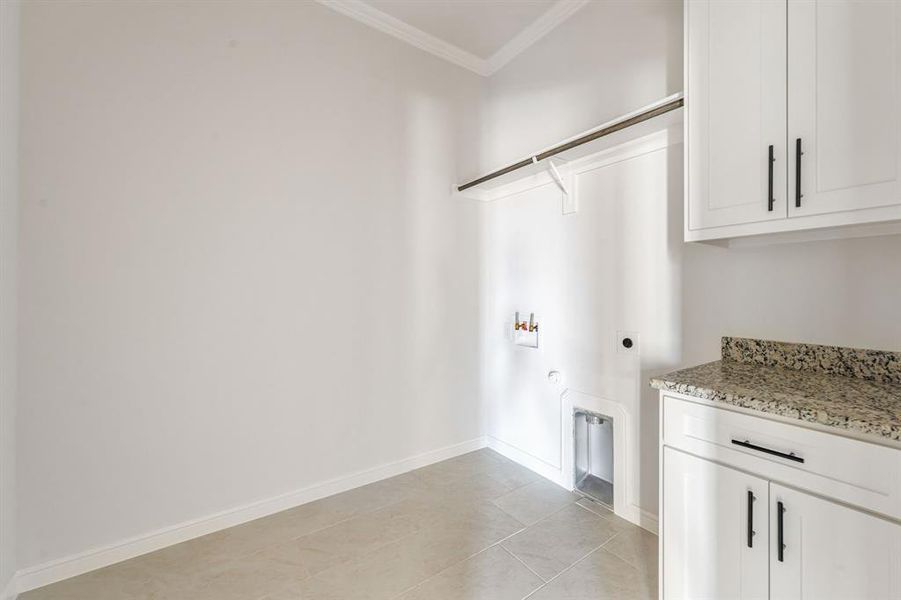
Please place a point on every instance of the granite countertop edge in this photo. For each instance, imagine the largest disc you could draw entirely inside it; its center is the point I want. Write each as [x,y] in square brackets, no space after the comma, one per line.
[783,407]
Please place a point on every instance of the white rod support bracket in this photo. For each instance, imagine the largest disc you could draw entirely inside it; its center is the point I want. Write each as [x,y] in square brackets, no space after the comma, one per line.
[566,187]
[555,175]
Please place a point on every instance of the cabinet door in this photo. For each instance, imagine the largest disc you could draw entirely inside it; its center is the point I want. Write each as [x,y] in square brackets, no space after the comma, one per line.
[735,81]
[844,104]
[711,548]
[831,551]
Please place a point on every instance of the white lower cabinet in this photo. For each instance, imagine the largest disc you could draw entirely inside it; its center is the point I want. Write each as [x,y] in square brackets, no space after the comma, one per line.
[831,551]
[735,523]
[707,551]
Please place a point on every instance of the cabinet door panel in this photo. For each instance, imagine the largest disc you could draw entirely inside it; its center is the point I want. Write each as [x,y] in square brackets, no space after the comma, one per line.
[844,104]
[706,552]
[831,551]
[735,77]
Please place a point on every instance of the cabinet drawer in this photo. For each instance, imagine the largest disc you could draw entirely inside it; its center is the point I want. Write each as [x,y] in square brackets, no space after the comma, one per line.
[852,471]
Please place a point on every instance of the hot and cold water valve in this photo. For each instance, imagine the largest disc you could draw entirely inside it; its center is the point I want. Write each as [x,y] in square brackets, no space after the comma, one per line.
[525,333]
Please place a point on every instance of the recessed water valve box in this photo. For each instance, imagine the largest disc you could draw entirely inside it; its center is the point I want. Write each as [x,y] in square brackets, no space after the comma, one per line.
[526,338]
[525,333]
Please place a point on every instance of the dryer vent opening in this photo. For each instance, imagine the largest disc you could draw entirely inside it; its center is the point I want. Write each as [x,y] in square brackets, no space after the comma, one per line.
[593,438]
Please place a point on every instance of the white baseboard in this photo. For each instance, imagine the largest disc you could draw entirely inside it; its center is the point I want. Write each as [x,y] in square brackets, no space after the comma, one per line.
[57,570]
[529,461]
[642,518]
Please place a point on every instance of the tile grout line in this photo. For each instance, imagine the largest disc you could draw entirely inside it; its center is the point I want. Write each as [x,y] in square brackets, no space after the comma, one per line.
[447,568]
[622,558]
[549,515]
[577,561]
[485,549]
[364,513]
[442,571]
[451,566]
[470,557]
[602,547]
[543,580]
[497,543]
[594,512]
[569,568]
[353,559]
[488,501]
[371,511]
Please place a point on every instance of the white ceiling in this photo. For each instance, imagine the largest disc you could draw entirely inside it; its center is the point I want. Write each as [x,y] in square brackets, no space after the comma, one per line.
[480,27]
[480,35]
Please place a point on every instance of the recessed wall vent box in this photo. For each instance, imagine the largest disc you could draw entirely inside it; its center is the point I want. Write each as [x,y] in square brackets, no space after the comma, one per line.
[593,453]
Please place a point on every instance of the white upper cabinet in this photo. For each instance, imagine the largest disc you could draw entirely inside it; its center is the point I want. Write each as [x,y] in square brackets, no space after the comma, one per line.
[844,103]
[735,75]
[763,73]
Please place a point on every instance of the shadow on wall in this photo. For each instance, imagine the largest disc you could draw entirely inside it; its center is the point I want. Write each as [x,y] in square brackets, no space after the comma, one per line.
[613,266]
[437,326]
[271,246]
[669,356]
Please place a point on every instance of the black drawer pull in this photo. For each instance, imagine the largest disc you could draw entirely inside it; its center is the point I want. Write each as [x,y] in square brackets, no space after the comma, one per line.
[798,155]
[770,199]
[751,499]
[749,445]
[780,526]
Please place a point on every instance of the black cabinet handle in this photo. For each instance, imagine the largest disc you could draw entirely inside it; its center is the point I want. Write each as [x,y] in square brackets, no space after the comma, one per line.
[751,499]
[780,541]
[798,155]
[770,199]
[749,445]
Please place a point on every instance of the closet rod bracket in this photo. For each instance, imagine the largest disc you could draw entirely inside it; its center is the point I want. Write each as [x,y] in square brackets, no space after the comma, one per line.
[565,185]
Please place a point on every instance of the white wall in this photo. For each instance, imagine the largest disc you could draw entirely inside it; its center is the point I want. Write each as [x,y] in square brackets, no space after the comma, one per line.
[9,218]
[242,272]
[611,58]
[608,59]
[621,250]
[612,266]
[839,292]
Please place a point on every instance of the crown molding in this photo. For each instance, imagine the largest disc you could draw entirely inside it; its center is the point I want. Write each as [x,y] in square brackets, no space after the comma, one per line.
[543,25]
[368,15]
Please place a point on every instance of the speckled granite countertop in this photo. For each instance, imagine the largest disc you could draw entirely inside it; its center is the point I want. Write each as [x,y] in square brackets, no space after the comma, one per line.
[849,389]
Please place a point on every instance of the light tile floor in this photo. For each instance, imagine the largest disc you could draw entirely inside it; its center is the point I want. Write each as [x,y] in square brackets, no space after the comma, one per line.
[476,527]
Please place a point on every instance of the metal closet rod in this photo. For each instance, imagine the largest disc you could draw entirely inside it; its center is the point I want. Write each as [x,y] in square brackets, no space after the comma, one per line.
[613,128]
